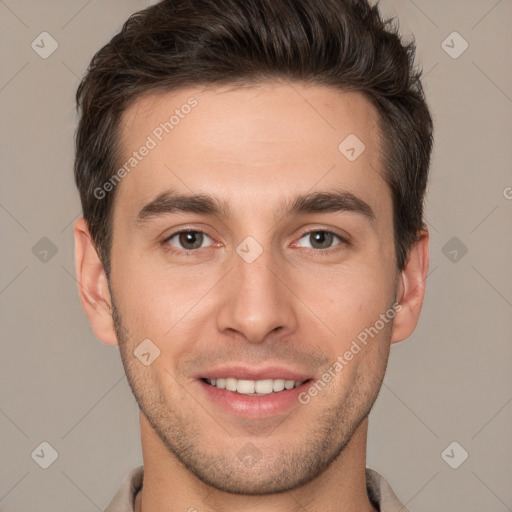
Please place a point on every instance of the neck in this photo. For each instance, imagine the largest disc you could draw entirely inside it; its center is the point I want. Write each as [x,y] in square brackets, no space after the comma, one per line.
[169,486]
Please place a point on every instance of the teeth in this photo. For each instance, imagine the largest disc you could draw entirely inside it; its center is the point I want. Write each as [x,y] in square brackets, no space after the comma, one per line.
[231,384]
[246,386]
[278,385]
[254,387]
[263,386]
[288,384]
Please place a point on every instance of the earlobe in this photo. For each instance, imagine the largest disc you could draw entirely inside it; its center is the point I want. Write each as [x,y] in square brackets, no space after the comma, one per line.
[411,289]
[92,285]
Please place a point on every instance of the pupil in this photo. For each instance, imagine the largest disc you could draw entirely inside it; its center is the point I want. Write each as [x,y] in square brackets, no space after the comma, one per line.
[189,237]
[321,237]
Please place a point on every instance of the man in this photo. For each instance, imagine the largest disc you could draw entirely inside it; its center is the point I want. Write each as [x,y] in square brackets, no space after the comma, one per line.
[252,176]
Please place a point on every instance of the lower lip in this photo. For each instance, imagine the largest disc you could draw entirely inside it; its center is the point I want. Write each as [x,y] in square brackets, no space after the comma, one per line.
[254,406]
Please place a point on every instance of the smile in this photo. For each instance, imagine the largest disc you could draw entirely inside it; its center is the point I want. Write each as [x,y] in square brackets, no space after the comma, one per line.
[254,387]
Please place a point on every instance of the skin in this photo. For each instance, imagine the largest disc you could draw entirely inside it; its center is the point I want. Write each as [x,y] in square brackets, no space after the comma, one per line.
[254,147]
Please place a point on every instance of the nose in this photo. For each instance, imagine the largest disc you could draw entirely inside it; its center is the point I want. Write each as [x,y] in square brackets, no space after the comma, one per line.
[257,300]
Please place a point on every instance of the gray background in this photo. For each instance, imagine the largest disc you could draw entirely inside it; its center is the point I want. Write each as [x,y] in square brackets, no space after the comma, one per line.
[451,381]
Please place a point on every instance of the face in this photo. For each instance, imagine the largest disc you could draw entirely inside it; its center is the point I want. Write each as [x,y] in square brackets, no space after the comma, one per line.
[249,285]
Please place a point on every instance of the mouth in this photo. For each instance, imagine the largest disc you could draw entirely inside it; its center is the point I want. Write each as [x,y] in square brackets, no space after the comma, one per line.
[252,393]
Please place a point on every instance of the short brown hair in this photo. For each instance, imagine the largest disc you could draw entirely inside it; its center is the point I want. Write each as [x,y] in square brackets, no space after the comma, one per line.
[344,44]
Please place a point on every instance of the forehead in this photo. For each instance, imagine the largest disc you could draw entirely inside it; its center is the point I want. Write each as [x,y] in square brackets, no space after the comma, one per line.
[251,146]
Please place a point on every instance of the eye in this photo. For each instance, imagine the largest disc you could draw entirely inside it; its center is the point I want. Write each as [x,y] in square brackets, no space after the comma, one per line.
[187,240]
[322,239]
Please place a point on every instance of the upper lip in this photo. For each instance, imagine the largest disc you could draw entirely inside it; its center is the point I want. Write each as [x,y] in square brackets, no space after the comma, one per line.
[250,373]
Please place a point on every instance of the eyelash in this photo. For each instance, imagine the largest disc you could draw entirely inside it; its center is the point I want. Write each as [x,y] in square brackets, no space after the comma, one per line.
[330,250]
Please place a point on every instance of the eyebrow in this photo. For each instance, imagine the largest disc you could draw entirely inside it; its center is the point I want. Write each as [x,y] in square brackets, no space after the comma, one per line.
[335,201]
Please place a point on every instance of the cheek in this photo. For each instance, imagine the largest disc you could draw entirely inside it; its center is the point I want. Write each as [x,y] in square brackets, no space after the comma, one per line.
[141,295]
[162,303]
[348,299]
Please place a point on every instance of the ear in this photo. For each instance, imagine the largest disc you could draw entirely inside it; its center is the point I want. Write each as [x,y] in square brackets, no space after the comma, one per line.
[411,289]
[92,285]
